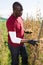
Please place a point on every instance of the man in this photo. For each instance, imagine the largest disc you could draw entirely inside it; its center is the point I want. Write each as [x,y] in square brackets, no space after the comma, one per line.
[16,35]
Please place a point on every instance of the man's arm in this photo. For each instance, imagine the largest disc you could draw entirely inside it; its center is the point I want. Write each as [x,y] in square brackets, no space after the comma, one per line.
[17,40]
[13,37]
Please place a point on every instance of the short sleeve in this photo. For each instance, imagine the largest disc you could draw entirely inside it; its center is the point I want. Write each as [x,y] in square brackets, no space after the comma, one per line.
[11,26]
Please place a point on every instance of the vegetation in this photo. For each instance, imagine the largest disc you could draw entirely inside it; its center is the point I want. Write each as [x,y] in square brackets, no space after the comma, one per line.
[5,56]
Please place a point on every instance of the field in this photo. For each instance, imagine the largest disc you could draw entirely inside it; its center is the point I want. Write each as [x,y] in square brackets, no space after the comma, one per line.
[5,56]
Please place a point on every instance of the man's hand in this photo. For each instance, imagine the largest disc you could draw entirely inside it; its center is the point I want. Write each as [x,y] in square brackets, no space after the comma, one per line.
[28,31]
[33,42]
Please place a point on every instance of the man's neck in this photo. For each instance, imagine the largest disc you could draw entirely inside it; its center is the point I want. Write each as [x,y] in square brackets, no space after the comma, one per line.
[15,15]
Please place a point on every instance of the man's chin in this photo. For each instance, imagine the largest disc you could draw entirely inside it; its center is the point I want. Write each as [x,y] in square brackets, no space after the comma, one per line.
[20,15]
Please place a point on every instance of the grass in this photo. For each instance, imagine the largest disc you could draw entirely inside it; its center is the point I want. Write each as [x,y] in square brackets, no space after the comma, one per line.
[5,56]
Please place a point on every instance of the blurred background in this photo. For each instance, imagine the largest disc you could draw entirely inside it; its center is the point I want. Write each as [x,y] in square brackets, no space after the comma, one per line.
[32,19]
